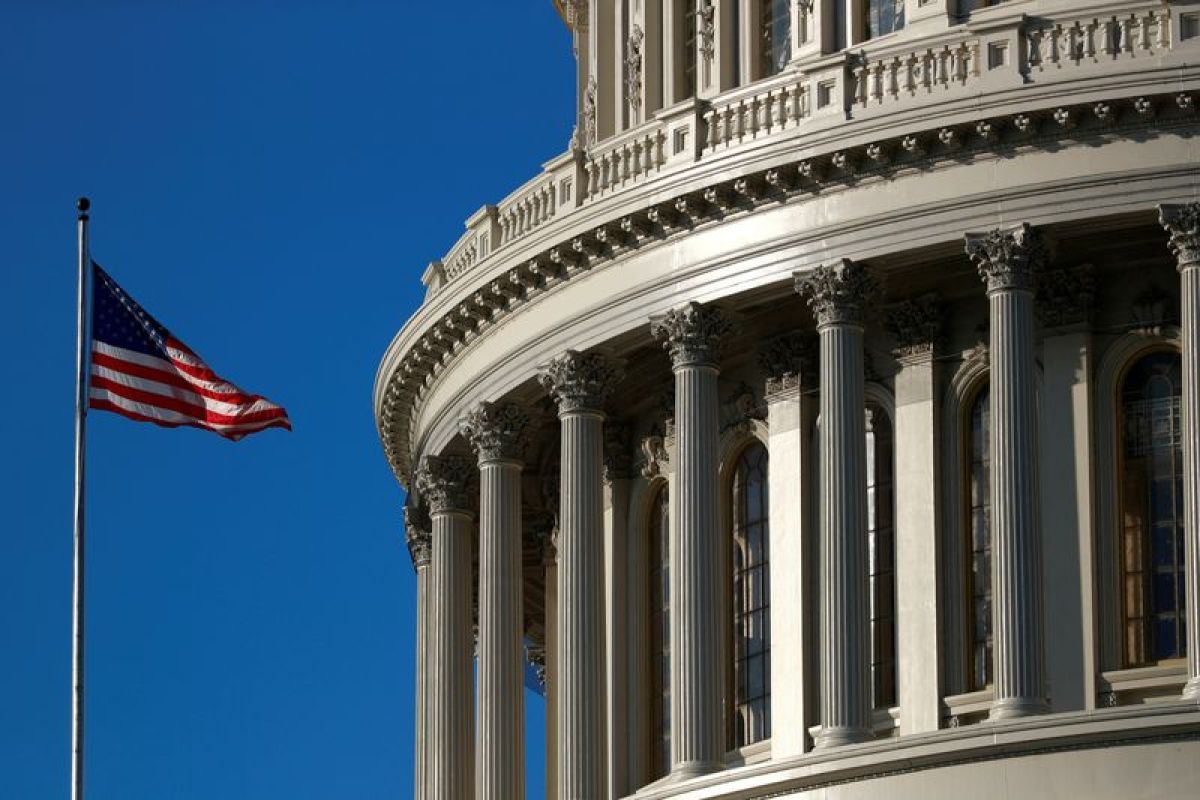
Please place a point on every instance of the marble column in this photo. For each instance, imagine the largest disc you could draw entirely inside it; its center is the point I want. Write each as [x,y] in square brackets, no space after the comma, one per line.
[838,294]
[1009,261]
[788,362]
[444,483]
[416,524]
[1182,222]
[498,434]
[916,326]
[579,383]
[693,335]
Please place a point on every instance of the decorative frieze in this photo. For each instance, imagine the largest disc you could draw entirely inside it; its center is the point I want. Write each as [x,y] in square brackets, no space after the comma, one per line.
[916,326]
[1007,258]
[838,293]
[497,431]
[445,483]
[1064,296]
[581,381]
[786,360]
[1182,222]
[693,333]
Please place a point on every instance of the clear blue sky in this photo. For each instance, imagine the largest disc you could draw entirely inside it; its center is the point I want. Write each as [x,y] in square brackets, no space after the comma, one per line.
[269,179]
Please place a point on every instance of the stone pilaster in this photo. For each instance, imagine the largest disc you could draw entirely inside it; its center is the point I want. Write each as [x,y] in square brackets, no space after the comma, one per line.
[916,327]
[579,383]
[1182,222]
[420,546]
[838,294]
[788,363]
[444,483]
[693,334]
[499,433]
[1009,261]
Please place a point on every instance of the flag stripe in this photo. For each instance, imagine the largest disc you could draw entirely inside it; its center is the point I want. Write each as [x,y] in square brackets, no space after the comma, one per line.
[202,412]
[179,421]
[109,367]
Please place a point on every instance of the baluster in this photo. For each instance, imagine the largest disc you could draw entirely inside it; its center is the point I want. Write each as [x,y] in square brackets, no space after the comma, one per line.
[1144,31]
[1164,31]
[1126,36]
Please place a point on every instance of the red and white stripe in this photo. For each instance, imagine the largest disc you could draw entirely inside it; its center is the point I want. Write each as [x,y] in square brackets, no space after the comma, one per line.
[176,391]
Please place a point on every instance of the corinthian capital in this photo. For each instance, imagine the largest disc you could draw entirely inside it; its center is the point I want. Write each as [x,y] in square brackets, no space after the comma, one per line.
[1182,222]
[693,333]
[496,432]
[445,483]
[1007,258]
[916,325]
[416,536]
[581,381]
[838,293]
[785,359]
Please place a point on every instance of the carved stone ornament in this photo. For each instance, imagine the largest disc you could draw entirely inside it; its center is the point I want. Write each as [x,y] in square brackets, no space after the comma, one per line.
[589,113]
[536,655]
[707,28]
[540,529]
[417,537]
[576,13]
[838,293]
[653,458]
[445,482]
[916,325]
[618,458]
[581,381]
[633,70]
[739,411]
[1064,296]
[497,432]
[1151,312]
[785,360]
[1182,222]
[1008,259]
[693,333]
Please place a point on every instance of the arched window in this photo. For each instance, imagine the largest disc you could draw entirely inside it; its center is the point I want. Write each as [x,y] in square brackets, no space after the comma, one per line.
[690,31]
[751,599]
[979,544]
[1151,471]
[776,35]
[881,542]
[660,634]
[883,17]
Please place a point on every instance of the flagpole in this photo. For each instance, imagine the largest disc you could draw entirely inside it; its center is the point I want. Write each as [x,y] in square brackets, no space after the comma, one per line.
[81,398]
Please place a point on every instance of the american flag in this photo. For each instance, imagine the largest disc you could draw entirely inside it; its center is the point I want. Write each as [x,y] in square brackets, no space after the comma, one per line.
[141,371]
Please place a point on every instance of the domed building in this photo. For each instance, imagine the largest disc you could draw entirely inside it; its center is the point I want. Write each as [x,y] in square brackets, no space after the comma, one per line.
[823,423]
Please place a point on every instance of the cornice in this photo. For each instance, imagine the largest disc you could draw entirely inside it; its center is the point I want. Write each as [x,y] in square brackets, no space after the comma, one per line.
[451,321]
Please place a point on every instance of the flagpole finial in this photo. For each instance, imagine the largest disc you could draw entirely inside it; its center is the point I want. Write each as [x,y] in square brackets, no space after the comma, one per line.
[83,204]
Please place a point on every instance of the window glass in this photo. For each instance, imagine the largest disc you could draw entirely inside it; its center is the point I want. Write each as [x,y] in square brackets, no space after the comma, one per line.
[979,544]
[751,599]
[884,17]
[776,31]
[881,542]
[1152,511]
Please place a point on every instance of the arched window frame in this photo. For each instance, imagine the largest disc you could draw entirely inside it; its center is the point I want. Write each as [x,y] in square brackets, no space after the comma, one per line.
[877,396]
[1119,683]
[734,443]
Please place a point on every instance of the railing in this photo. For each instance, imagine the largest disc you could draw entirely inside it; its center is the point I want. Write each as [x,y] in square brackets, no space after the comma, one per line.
[895,77]
[1054,45]
[763,113]
[629,158]
[892,74]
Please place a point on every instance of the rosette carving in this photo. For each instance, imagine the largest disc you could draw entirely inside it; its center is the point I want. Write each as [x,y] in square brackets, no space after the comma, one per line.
[581,381]
[916,325]
[445,483]
[1008,258]
[1182,222]
[785,360]
[838,293]
[693,333]
[1064,297]
[497,431]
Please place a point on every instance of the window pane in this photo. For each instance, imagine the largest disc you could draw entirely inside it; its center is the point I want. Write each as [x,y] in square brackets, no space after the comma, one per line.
[880,545]
[979,542]
[751,597]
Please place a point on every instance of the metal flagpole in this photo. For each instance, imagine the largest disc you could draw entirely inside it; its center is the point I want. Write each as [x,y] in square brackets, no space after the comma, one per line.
[81,400]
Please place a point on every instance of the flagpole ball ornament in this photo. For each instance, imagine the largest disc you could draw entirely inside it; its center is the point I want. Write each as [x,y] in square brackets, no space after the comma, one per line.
[83,204]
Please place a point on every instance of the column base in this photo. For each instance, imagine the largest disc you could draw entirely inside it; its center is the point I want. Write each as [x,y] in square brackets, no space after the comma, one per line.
[838,737]
[693,769]
[1015,707]
[1191,690]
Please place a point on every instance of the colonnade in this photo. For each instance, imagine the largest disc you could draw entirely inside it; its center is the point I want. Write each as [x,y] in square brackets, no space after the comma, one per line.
[478,751]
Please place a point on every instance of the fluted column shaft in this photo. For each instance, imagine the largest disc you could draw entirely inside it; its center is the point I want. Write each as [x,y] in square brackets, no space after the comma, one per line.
[419,547]
[693,334]
[579,382]
[837,295]
[1183,224]
[498,435]
[1008,261]
[450,718]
